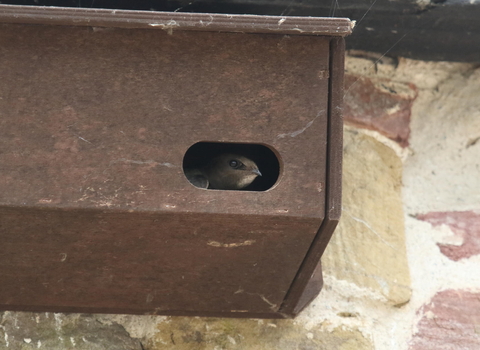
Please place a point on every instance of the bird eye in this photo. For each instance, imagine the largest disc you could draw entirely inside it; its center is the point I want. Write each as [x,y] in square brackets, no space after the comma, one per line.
[233,163]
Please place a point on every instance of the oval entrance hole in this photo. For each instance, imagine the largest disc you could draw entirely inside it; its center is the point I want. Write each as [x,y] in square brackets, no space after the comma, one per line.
[231,166]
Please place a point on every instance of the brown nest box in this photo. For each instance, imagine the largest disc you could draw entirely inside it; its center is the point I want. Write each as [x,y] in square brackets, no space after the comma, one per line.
[99,110]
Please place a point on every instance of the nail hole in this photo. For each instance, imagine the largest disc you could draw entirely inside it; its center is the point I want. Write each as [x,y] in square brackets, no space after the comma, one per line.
[347,314]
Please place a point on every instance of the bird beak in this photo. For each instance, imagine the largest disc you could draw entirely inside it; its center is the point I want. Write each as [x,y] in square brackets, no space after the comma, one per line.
[256,171]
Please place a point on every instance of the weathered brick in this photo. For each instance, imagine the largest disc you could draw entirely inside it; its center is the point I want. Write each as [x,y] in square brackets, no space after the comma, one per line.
[451,321]
[464,224]
[381,105]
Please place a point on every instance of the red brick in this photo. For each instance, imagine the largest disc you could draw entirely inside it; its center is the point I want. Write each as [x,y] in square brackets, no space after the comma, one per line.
[464,224]
[378,106]
[451,321]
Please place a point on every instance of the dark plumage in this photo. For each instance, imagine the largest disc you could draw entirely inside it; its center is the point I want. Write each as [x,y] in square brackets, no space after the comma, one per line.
[225,172]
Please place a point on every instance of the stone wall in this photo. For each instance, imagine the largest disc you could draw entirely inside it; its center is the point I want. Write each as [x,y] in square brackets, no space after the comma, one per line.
[403,268]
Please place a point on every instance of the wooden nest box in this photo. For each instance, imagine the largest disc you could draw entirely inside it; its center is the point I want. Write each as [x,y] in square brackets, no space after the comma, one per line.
[99,112]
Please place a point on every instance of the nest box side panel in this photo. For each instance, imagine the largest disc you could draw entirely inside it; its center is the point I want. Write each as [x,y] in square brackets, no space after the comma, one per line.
[309,280]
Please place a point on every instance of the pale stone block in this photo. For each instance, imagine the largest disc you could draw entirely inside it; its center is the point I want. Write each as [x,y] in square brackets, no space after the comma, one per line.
[368,247]
[55,331]
[184,333]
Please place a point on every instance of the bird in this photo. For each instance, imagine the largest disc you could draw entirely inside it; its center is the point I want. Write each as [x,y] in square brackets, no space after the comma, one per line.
[224,172]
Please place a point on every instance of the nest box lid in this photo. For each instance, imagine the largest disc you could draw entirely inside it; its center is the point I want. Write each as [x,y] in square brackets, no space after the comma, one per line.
[171,21]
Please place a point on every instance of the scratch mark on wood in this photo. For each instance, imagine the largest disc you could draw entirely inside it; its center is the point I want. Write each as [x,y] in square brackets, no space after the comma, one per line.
[139,162]
[272,305]
[81,138]
[231,245]
[302,130]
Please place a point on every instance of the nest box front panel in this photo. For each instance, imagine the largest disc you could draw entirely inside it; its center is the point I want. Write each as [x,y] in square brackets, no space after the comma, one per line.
[103,117]
[97,214]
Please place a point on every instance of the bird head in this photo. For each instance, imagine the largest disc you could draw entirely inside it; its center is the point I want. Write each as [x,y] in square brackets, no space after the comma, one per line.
[231,172]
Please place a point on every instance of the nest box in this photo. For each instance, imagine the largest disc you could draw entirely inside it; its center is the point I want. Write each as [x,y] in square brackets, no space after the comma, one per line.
[100,110]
